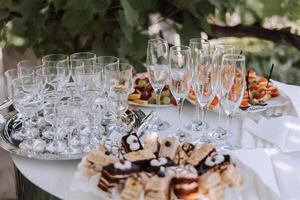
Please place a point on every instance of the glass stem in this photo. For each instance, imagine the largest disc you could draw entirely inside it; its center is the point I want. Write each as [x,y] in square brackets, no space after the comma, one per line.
[220,113]
[229,124]
[179,102]
[158,94]
[197,112]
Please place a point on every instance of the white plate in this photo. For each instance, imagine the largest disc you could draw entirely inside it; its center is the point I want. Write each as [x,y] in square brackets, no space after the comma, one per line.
[279,101]
[148,105]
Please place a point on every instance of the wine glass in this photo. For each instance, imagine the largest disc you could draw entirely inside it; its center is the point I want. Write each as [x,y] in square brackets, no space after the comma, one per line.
[218,52]
[92,110]
[179,73]
[233,85]
[52,91]
[88,58]
[204,87]
[157,68]
[197,45]
[102,100]
[9,76]
[119,81]
[27,101]
[27,67]
[51,60]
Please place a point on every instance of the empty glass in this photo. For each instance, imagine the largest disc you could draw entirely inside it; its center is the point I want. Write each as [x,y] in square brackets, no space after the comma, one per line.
[119,81]
[87,58]
[27,67]
[157,67]
[233,85]
[204,87]
[179,73]
[197,45]
[27,101]
[51,60]
[101,62]
[53,87]
[9,76]
[218,52]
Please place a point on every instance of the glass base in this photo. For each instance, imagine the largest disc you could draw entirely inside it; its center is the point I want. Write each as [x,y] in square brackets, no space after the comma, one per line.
[183,136]
[35,145]
[217,134]
[56,146]
[159,125]
[194,125]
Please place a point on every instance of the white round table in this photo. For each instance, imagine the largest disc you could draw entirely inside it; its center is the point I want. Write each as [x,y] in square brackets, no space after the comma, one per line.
[55,177]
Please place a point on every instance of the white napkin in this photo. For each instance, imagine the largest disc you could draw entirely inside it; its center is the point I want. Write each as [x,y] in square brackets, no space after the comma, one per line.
[260,163]
[287,172]
[293,92]
[284,132]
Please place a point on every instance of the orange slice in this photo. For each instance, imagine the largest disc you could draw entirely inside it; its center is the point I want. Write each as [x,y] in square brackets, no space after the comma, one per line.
[134,96]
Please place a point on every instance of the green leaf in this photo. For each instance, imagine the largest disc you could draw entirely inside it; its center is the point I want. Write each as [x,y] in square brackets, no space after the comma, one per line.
[188,29]
[3,13]
[126,28]
[102,49]
[205,25]
[30,10]
[272,7]
[77,14]
[100,6]
[131,15]
[6,4]
[59,4]
[143,6]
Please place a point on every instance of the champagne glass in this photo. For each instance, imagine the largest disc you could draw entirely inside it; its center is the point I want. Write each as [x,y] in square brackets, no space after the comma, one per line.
[88,58]
[52,91]
[197,45]
[119,80]
[27,101]
[179,73]
[218,52]
[51,60]
[204,87]
[157,67]
[101,62]
[233,85]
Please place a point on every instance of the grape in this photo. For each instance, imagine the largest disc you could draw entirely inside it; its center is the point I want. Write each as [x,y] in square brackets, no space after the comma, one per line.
[165,93]
[142,83]
[151,100]
[145,95]
[166,100]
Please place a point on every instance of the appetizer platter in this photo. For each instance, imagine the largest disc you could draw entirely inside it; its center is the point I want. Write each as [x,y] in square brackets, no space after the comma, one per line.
[159,168]
[259,95]
[144,95]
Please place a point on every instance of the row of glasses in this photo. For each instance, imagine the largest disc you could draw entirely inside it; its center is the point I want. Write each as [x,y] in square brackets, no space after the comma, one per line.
[72,93]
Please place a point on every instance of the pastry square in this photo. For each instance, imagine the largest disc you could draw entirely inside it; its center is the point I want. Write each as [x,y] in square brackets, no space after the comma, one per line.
[151,142]
[168,147]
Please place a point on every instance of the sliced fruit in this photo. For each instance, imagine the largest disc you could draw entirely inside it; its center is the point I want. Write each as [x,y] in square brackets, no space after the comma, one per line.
[139,101]
[134,96]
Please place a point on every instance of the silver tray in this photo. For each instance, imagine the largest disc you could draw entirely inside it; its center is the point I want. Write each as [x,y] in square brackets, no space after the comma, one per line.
[13,122]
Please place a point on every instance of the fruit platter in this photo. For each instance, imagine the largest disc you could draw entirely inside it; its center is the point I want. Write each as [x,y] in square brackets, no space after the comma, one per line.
[258,96]
[144,94]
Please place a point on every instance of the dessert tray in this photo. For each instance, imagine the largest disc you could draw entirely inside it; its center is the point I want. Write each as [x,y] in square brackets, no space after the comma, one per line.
[136,118]
[164,168]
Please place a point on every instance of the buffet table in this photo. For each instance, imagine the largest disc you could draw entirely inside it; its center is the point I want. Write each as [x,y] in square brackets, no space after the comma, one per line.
[38,179]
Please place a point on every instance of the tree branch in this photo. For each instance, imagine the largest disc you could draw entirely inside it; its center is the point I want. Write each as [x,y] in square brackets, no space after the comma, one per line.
[277,36]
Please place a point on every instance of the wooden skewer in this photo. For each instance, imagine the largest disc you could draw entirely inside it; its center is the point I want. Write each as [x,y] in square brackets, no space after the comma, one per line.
[247,84]
[270,74]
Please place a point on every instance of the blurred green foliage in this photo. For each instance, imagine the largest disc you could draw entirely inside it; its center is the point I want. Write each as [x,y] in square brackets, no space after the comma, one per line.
[120,27]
